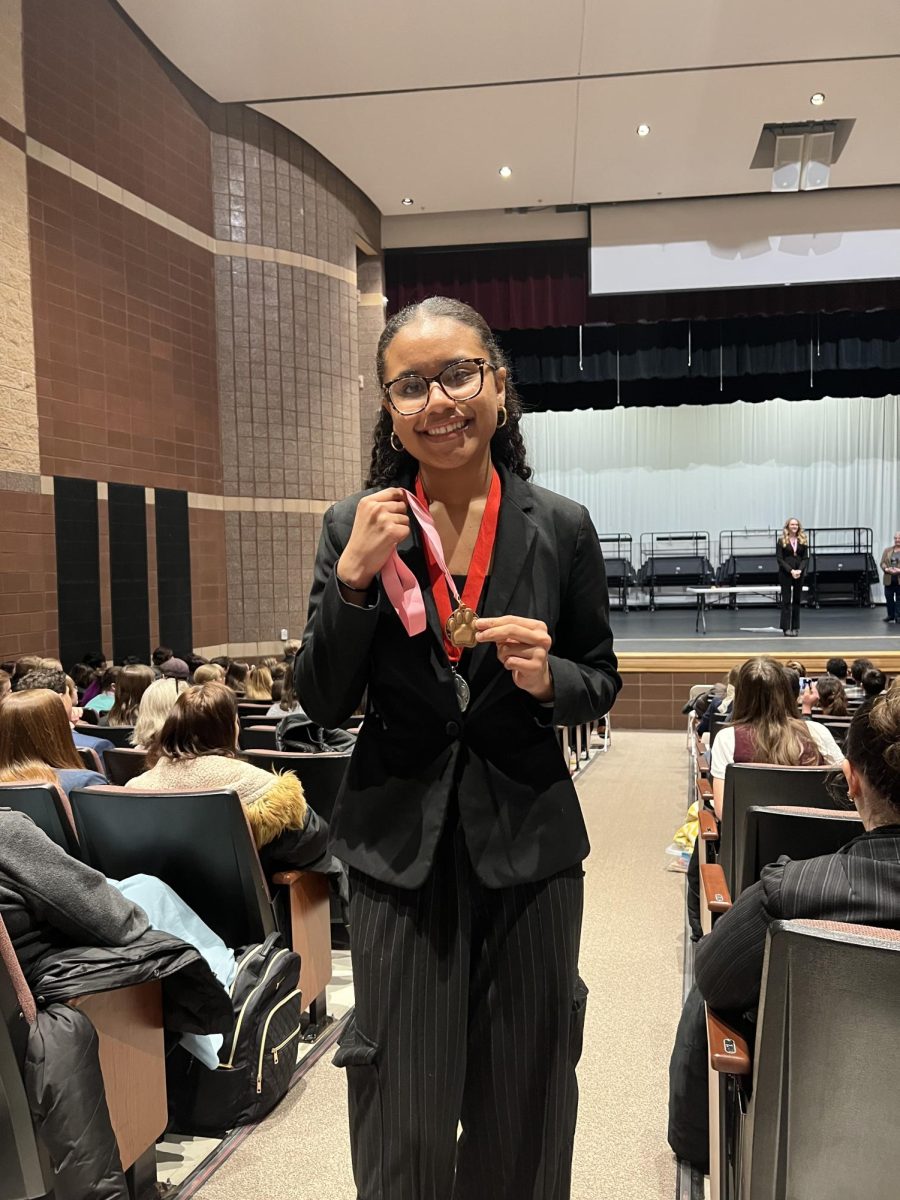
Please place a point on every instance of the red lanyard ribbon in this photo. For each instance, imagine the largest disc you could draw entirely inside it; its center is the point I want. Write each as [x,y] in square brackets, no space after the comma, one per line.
[442,580]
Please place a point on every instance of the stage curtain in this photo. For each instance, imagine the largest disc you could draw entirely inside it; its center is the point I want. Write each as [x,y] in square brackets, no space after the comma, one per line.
[831,462]
[706,362]
[545,284]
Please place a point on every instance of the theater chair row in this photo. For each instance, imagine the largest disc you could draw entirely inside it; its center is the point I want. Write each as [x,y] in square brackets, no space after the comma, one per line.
[578,742]
[811,1111]
[200,844]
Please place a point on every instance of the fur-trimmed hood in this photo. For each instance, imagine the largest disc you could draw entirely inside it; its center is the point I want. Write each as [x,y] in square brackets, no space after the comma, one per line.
[273,802]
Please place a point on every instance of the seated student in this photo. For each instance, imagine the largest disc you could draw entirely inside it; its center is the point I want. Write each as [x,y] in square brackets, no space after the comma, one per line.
[96,662]
[104,699]
[36,742]
[853,686]
[131,684]
[160,655]
[175,668]
[259,684]
[873,683]
[156,704]
[236,678]
[197,749]
[837,667]
[859,884]
[209,673]
[287,703]
[766,729]
[291,650]
[58,681]
[719,705]
[830,697]
[5,683]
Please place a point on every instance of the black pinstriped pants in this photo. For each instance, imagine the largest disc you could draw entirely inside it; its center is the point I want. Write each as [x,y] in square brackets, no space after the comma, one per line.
[468,1009]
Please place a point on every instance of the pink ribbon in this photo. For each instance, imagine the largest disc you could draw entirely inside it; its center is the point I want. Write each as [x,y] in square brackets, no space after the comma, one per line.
[401,585]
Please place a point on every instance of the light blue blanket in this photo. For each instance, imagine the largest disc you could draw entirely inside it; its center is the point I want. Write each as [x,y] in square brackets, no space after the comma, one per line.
[168,913]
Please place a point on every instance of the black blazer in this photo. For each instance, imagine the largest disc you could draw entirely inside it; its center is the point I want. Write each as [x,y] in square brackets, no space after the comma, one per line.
[416,751]
[789,561]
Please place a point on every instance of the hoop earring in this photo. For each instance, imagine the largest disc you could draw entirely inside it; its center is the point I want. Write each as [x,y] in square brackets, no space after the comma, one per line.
[396,444]
[502,409]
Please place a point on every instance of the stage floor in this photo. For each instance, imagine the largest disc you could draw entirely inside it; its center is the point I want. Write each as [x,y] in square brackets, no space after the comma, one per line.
[754,628]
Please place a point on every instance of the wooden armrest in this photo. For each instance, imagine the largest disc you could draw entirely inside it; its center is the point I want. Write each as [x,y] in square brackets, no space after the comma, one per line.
[310,901]
[728,1051]
[129,1027]
[714,888]
[709,826]
[286,878]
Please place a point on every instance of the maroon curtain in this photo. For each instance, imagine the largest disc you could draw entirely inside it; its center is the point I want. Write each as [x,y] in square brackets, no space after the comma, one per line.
[545,285]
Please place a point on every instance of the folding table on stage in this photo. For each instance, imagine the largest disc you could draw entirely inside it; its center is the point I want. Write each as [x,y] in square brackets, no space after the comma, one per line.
[766,590]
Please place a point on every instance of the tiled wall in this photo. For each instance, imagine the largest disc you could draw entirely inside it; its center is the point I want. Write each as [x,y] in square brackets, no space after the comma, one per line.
[288,357]
[181,310]
[653,700]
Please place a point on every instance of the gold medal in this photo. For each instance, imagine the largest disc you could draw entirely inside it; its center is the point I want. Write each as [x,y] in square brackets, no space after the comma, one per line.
[461,627]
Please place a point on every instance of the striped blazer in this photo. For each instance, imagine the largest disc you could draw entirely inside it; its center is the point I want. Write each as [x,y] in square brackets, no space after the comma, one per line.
[860,884]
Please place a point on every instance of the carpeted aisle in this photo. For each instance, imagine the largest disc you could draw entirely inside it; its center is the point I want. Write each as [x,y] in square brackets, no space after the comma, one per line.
[633,800]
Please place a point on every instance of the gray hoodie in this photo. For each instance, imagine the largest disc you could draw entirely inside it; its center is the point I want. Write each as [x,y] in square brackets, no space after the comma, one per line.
[49,899]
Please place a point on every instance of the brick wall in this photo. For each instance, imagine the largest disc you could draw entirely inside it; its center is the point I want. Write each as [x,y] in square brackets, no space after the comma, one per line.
[180,310]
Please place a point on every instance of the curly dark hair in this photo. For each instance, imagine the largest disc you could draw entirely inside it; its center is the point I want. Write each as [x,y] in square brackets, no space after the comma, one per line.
[507,444]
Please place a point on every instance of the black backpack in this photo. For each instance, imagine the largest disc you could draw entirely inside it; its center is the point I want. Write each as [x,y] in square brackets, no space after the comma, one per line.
[256,1060]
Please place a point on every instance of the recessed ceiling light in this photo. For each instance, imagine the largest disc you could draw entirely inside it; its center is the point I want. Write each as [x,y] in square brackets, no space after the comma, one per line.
[817,98]
[407,201]
[643,130]
[505,172]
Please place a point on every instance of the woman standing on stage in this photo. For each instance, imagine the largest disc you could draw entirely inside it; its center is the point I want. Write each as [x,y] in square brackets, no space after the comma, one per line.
[457,818]
[792,552]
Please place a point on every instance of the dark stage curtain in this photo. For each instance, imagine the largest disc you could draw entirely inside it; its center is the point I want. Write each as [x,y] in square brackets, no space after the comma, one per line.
[707,362]
[543,285]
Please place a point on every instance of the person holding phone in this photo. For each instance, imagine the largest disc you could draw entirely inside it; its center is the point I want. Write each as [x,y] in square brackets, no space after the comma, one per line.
[792,553]
[457,816]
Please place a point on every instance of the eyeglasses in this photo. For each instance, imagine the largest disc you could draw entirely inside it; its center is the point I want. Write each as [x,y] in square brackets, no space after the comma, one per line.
[462,380]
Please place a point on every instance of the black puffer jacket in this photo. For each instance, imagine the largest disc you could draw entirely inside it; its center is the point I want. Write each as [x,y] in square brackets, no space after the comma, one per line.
[62,1068]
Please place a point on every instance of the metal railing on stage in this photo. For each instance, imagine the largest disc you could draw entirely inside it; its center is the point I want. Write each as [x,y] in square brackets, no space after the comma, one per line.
[620,573]
[746,557]
[841,565]
[674,559]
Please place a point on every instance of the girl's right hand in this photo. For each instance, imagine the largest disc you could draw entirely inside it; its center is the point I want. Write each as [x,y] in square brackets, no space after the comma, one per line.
[381,523]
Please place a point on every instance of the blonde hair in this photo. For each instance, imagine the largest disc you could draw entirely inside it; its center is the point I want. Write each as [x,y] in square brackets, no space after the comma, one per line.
[764,702]
[209,673]
[156,704]
[259,684]
[802,539]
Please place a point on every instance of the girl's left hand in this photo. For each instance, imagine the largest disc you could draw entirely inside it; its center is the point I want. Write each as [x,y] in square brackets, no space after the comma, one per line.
[522,646]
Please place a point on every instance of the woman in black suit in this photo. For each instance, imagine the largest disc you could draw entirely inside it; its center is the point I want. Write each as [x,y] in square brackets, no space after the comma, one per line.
[457,818]
[792,552]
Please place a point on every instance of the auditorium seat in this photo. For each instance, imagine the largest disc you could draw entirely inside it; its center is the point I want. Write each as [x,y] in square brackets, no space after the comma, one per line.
[259,720]
[123,764]
[250,707]
[119,735]
[129,1026]
[257,737]
[320,774]
[48,806]
[721,843]
[821,1120]
[200,844]
[91,759]
[716,722]
[799,833]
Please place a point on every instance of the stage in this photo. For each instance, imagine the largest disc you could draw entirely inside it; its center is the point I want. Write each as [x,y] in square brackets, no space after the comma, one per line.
[851,632]
[660,655]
